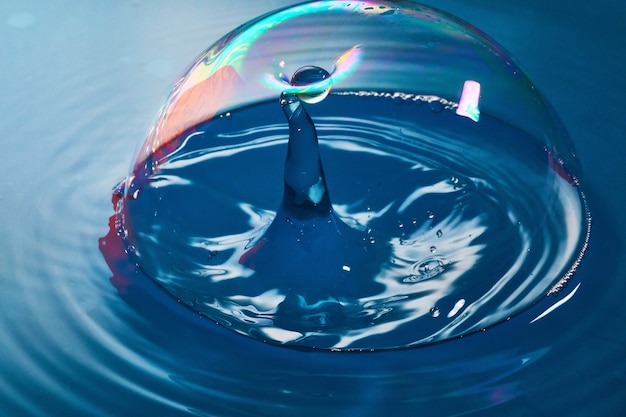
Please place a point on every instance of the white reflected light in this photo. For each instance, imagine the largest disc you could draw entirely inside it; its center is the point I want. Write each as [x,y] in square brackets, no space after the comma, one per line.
[468,103]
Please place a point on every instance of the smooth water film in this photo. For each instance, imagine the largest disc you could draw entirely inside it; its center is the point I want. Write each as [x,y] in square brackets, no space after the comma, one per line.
[355,176]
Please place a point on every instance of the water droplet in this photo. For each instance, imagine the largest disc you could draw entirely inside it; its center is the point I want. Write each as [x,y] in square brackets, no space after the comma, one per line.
[308,76]
[433,249]
[435,312]
[430,214]
[439,233]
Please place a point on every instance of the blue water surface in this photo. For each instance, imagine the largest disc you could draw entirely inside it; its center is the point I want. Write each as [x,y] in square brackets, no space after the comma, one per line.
[81,82]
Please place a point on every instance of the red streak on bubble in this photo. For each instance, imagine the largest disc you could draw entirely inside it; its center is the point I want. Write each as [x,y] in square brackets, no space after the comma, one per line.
[113,249]
[247,259]
[186,110]
[557,166]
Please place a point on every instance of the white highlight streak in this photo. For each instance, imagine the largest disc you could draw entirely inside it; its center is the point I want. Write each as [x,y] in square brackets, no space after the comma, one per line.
[557,304]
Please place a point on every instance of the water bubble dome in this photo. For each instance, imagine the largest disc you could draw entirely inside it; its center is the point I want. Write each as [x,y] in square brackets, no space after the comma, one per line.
[356,175]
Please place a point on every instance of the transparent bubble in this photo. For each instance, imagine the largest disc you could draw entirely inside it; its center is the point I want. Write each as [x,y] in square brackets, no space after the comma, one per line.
[324,175]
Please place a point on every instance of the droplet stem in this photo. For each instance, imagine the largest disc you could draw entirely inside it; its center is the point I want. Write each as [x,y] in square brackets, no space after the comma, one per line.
[307,251]
[306,194]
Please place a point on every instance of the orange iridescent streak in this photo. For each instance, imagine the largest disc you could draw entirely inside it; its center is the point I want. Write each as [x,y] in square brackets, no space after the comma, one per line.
[189,105]
[188,110]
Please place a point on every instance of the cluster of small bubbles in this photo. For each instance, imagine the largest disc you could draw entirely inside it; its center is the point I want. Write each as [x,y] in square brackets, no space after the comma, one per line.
[435,312]
[568,275]
[424,270]
[436,103]
[431,266]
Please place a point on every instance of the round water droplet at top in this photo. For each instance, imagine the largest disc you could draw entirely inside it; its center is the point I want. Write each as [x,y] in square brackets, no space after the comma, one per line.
[311,80]
[324,175]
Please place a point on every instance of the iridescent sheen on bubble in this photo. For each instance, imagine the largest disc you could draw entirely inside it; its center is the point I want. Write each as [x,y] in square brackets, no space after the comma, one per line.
[456,198]
[408,49]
